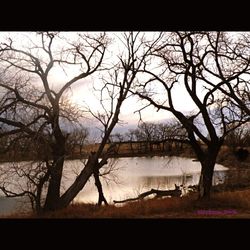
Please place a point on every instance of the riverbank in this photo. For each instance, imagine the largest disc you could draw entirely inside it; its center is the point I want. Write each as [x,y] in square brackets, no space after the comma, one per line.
[226,155]
[231,204]
[238,179]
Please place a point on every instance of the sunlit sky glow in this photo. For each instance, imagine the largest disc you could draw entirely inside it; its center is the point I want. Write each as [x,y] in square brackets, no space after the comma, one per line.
[82,92]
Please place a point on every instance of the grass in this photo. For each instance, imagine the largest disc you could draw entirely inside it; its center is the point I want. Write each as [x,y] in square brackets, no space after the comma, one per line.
[233,204]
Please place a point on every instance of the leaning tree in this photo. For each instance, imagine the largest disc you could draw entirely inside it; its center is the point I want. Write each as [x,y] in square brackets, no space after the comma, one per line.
[33,104]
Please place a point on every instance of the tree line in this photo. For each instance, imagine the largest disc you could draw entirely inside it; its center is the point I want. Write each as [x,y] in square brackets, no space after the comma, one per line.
[163,137]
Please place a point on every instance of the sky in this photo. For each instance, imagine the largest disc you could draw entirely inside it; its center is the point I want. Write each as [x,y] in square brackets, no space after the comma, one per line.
[82,92]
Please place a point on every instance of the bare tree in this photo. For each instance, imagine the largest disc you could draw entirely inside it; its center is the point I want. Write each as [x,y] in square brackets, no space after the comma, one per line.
[114,92]
[25,179]
[171,132]
[231,56]
[204,64]
[147,130]
[76,140]
[130,136]
[238,137]
[31,66]
[45,109]
[149,134]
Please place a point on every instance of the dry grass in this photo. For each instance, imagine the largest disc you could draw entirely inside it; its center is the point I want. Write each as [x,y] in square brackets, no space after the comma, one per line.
[238,199]
[235,204]
[138,209]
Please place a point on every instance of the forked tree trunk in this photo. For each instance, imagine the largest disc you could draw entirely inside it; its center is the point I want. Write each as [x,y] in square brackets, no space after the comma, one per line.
[53,194]
[79,183]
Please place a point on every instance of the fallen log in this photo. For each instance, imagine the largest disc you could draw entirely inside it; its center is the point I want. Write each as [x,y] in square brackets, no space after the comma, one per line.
[158,193]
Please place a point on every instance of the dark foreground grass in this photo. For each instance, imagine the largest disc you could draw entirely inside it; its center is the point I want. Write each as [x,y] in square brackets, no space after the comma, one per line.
[233,204]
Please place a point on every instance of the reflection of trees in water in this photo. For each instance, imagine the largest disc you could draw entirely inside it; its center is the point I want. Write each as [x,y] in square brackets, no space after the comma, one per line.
[219,177]
[168,182]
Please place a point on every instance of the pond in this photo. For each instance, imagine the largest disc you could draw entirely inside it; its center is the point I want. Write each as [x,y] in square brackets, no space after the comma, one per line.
[134,175]
[128,177]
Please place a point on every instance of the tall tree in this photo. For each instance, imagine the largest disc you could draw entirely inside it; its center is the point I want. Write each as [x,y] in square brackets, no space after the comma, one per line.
[203,64]
[114,91]
[44,107]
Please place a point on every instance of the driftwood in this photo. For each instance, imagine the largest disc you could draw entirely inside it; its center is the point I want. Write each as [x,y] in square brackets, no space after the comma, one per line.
[159,193]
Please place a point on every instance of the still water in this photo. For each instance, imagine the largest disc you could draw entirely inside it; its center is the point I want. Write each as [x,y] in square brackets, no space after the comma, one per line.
[127,177]
[132,176]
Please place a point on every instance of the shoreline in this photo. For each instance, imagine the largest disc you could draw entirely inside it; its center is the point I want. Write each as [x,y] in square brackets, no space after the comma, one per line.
[225,159]
[238,176]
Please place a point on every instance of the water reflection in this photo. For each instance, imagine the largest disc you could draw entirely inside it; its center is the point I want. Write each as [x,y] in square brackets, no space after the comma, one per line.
[185,180]
[133,176]
[140,174]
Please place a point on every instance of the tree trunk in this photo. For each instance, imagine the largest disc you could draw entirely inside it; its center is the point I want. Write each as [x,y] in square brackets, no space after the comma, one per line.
[163,146]
[53,194]
[79,183]
[207,157]
[206,177]
[151,146]
[99,188]
[81,146]
[131,147]
[159,193]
